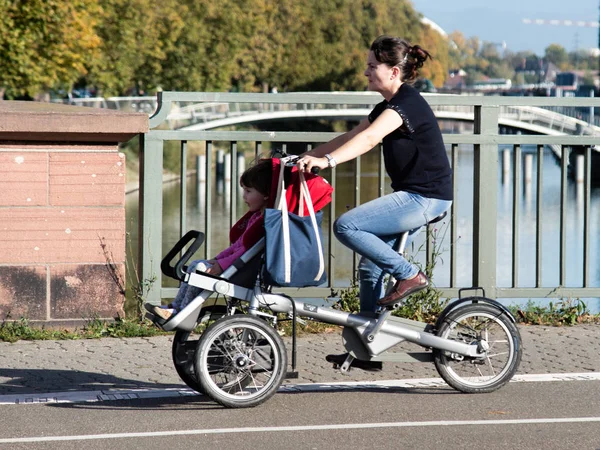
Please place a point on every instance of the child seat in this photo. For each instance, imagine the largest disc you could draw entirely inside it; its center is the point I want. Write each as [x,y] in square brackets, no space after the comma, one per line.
[240,279]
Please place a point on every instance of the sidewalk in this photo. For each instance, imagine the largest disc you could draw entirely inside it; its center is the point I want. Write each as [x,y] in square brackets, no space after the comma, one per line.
[35,367]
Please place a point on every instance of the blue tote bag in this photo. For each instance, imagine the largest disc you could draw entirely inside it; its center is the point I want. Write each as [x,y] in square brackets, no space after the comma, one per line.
[294,250]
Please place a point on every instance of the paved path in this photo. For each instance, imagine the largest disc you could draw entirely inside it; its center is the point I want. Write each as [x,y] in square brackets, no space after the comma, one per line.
[37,367]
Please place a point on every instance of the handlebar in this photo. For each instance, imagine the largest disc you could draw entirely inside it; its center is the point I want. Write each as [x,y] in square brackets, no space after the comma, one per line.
[293,159]
[177,271]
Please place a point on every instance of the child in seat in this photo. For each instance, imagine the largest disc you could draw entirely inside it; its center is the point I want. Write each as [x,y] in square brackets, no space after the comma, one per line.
[256,185]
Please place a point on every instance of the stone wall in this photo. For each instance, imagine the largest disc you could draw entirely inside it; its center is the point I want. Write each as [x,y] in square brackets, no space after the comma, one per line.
[62,211]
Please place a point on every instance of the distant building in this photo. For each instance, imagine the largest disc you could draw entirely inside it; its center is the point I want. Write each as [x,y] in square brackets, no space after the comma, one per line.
[492,84]
[545,71]
[456,79]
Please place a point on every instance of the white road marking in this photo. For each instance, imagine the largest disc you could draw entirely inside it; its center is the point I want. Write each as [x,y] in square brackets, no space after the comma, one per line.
[138,394]
[344,426]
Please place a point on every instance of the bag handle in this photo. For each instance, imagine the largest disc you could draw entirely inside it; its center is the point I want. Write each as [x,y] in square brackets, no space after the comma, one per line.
[305,195]
[281,205]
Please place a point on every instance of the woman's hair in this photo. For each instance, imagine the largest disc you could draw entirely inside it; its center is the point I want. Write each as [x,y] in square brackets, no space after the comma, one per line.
[394,51]
[258,176]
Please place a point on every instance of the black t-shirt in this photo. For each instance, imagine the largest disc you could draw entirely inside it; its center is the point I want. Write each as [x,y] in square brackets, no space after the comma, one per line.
[414,154]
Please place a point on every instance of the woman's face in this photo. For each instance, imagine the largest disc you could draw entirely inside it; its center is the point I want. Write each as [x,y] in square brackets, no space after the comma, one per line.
[254,199]
[378,74]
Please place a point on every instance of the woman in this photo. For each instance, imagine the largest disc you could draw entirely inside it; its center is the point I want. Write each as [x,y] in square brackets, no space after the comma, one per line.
[416,161]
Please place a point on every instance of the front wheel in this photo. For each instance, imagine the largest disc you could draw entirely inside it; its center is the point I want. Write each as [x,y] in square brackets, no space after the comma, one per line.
[496,336]
[240,361]
[186,342]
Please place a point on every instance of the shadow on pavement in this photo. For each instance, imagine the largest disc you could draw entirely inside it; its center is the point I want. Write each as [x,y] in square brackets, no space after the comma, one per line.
[33,381]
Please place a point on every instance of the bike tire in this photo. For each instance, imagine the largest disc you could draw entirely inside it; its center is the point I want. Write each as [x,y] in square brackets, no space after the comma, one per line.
[476,323]
[240,361]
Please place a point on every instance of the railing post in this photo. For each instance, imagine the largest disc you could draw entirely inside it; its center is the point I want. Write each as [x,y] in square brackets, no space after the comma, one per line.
[485,199]
[150,218]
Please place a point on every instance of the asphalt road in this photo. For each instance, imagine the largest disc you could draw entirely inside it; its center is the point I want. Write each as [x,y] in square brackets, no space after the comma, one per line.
[522,415]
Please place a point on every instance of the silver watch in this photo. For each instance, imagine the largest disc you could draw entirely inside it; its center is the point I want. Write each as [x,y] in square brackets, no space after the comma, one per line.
[331,162]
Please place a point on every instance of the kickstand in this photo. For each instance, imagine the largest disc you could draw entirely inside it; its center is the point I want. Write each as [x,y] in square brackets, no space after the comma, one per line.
[344,368]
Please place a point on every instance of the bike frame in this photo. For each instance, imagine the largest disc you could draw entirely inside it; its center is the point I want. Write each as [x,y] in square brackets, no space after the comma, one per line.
[366,338]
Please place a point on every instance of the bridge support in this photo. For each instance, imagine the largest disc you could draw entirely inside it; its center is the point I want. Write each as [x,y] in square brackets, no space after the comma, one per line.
[62,211]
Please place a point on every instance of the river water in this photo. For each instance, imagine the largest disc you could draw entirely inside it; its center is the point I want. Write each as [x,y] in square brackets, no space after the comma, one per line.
[369,183]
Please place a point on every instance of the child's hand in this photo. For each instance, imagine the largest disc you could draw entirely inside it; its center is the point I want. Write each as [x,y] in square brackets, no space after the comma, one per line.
[215,269]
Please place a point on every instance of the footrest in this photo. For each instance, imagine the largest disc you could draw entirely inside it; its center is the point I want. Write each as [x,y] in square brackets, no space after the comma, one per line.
[293,375]
[158,321]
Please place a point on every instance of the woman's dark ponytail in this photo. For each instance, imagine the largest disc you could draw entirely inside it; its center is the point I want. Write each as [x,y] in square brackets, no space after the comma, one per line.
[398,52]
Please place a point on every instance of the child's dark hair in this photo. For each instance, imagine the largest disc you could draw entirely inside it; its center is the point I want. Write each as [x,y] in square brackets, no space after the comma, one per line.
[258,176]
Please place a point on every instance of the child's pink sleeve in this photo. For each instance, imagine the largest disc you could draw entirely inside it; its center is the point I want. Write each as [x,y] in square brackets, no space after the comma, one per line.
[237,249]
[230,254]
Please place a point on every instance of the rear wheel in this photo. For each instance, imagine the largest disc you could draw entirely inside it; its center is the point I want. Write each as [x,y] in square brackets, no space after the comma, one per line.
[497,338]
[240,361]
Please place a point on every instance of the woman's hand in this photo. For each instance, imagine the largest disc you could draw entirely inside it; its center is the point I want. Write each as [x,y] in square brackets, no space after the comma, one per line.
[306,163]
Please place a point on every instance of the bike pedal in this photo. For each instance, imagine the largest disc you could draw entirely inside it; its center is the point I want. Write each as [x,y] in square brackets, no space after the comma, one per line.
[294,375]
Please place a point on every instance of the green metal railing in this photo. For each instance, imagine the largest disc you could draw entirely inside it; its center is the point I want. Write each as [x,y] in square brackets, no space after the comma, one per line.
[484,140]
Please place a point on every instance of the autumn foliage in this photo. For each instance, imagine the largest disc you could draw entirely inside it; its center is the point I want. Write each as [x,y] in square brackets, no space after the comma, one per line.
[120,47]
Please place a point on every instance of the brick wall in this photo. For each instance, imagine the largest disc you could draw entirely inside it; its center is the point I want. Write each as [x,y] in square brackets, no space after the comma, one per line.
[62,215]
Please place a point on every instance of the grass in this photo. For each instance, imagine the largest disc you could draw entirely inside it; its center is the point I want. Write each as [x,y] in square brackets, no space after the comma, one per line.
[13,331]
[420,307]
[561,313]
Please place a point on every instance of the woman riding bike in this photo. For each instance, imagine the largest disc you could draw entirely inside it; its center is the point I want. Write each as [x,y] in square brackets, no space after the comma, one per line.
[415,160]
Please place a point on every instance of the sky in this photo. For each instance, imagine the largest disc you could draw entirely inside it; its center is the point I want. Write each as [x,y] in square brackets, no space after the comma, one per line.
[502,21]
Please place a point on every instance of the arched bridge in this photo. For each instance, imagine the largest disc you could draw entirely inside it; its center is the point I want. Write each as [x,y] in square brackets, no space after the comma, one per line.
[190,115]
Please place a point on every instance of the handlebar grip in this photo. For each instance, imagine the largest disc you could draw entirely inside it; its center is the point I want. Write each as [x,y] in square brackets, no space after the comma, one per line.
[176,271]
[315,170]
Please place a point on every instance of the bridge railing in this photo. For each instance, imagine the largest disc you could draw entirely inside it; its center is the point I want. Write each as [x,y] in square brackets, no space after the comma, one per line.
[473,225]
[563,119]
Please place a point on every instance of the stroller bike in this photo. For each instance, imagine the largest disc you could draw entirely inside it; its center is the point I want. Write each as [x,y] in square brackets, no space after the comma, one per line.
[240,360]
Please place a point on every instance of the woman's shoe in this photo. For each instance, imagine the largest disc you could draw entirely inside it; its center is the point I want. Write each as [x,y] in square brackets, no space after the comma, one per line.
[404,288]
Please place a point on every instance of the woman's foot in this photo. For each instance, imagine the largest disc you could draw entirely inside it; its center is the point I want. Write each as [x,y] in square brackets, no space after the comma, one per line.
[404,288]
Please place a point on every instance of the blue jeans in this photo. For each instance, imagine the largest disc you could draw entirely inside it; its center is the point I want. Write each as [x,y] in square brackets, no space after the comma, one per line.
[372,230]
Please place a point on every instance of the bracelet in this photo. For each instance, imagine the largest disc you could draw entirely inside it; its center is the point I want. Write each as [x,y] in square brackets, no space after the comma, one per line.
[331,162]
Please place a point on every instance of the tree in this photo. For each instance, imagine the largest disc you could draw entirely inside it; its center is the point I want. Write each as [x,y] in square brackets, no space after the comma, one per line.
[136,36]
[45,43]
[556,54]
[437,69]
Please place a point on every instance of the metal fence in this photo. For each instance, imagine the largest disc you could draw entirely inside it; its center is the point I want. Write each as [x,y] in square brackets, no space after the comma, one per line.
[485,144]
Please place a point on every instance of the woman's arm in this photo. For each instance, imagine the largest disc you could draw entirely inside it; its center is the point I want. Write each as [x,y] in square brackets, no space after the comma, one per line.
[360,142]
[328,147]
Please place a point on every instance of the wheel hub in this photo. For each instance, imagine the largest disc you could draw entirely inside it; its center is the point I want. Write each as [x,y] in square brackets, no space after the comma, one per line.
[483,346]
[241,361]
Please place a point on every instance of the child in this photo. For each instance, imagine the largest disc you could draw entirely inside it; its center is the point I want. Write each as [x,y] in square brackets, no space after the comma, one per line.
[256,185]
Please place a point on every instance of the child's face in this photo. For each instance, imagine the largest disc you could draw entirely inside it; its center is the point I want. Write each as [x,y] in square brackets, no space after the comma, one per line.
[254,199]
